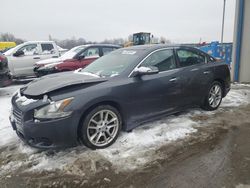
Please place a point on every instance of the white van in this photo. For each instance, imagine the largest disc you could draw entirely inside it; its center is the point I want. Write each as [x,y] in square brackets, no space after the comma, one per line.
[22,58]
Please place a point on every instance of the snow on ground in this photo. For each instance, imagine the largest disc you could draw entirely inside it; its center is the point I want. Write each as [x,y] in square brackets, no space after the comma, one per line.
[129,151]
[237,96]
[7,136]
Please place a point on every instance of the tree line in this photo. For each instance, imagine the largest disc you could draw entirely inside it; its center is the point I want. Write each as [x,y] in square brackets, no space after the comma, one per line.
[72,42]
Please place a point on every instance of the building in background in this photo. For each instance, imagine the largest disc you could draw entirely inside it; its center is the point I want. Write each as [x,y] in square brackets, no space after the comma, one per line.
[241,41]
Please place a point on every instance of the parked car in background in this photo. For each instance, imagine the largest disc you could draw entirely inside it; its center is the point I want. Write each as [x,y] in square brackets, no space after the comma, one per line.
[85,55]
[68,55]
[118,91]
[22,58]
[5,77]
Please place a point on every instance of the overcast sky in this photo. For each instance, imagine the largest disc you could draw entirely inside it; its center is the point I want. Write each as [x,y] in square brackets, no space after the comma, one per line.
[96,20]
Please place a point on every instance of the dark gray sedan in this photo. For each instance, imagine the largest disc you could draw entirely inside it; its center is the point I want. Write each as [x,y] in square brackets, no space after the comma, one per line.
[117,92]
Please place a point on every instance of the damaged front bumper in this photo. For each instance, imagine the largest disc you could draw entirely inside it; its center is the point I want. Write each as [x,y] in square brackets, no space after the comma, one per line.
[46,134]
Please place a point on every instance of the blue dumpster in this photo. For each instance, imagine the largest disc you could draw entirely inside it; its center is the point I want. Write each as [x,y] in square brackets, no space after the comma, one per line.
[217,50]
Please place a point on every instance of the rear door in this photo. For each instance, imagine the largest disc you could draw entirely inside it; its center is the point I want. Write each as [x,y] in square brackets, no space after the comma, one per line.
[195,74]
[48,50]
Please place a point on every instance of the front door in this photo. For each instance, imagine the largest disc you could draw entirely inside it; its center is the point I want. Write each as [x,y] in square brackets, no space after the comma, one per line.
[157,93]
[90,55]
[23,65]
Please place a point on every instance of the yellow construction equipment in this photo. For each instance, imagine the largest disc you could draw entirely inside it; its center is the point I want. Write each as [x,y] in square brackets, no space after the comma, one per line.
[140,38]
[4,45]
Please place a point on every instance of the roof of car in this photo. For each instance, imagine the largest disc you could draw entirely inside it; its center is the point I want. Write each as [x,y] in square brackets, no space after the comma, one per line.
[156,46]
[109,45]
[39,41]
[152,47]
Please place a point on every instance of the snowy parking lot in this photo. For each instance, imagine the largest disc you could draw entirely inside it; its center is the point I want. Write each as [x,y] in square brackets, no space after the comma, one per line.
[22,166]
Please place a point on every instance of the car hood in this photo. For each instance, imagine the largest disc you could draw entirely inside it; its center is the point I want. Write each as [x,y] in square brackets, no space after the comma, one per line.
[50,65]
[47,84]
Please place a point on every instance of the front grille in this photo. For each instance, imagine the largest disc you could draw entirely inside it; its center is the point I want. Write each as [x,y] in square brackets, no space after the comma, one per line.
[18,116]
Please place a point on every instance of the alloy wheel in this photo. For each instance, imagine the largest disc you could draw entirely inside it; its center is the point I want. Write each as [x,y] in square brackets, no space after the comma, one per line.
[215,96]
[102,127]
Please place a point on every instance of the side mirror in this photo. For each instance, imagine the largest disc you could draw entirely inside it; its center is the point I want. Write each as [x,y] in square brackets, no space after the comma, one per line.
[80,57]
[145,71]
[18,53]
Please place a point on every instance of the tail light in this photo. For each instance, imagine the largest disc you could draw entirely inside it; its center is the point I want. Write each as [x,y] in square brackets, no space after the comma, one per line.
[3,62]
[1,58]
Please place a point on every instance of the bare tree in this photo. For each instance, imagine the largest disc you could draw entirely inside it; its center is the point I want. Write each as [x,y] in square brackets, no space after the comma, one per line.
[69,43]
[73,41]
[8,37]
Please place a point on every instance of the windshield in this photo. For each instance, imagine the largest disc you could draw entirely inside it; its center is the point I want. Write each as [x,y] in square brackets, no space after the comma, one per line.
[10,51]
[112,64]
[71,53]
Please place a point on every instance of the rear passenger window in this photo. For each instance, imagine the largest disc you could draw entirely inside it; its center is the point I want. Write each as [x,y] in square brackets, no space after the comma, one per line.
[164,60]
[188,58]
[47,49]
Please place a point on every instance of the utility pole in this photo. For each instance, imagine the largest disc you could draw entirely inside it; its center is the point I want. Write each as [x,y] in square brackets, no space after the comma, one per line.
[223,20]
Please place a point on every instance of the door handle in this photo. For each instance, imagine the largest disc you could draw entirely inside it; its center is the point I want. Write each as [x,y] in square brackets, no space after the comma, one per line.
[55,56]
[206,72]
[36,58]
[173,79]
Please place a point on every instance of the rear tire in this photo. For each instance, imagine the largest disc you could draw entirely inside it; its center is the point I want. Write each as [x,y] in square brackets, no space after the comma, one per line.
[101,127]
[214,97]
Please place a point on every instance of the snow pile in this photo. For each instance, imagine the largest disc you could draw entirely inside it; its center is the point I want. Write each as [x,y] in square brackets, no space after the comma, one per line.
[58,161]
[151,136]
[236,97]
[132,149]
[7,135]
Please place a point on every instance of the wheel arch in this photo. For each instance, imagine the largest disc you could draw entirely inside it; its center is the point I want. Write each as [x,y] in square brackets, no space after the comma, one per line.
[222,82]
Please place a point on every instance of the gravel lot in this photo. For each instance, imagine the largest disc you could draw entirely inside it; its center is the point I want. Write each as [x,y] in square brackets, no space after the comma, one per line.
[190,149]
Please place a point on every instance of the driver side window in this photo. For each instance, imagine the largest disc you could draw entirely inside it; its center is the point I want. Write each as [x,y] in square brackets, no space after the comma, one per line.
[164,60]
[91,52]
[30,49]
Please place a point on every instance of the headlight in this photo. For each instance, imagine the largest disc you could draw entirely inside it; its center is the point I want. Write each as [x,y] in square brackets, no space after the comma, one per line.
[54,110]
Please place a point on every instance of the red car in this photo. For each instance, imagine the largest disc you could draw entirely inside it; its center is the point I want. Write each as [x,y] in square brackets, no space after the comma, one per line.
[80,60]
[5,77]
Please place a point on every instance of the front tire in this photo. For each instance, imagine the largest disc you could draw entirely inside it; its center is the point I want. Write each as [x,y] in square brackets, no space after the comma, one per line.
[101,127]
[214,97]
